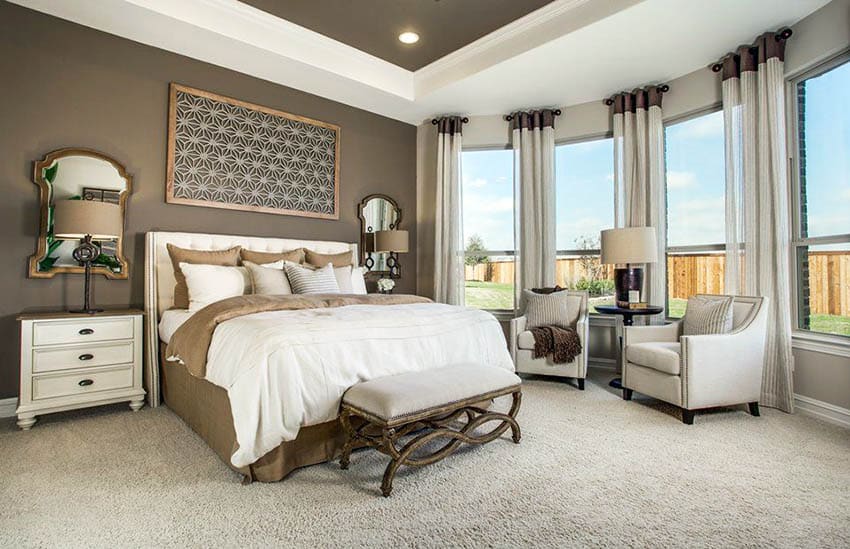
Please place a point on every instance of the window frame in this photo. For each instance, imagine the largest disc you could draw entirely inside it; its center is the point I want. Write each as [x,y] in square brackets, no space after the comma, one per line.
[493,253]
[694,248]
[836,344]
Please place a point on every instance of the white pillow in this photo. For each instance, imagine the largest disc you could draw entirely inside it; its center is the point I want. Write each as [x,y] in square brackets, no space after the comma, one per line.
[269,278]
[210,283]
[310,281]
[708,315]
[343,279]
[358,283]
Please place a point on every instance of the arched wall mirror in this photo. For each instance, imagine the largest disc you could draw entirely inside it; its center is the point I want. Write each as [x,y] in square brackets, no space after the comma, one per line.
[378,212]
[78,174]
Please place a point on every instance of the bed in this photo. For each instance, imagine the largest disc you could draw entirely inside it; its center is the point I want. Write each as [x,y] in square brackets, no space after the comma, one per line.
[267,397]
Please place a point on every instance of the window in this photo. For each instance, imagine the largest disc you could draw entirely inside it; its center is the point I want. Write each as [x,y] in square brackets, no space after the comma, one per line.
[584,187]
[488,228]
[821,237]
[696,183]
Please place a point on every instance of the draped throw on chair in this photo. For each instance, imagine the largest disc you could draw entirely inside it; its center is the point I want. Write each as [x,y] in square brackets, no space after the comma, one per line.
[533,139]
[448,245]
[757,225]
[640,199]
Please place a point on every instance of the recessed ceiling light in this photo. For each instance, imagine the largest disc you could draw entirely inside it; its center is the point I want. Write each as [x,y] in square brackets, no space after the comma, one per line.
[408,37]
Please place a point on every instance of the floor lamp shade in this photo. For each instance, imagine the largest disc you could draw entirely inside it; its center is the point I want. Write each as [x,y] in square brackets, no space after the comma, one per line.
[81,218]
[629,246]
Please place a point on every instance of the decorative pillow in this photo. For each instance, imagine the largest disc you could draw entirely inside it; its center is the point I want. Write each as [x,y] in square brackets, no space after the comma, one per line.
[547,309]
[358,282]
[264,258]
[320,260]
[229,257]
[343,278]
[269,279]
[310,281]
[708,315]
[210,283]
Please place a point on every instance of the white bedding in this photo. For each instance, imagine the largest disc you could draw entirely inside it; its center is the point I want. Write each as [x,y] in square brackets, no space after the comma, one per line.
[170,320]
[286,369]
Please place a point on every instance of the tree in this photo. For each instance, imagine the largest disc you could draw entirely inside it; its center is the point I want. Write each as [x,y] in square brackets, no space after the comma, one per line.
[589,263]
[475,244]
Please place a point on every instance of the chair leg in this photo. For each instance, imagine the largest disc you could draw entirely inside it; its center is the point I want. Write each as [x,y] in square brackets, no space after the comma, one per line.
[580,382]
[687,416]
[754,408]
[627,394]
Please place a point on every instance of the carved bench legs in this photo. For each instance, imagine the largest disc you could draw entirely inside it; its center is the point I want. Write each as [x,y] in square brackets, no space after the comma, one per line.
[385,439]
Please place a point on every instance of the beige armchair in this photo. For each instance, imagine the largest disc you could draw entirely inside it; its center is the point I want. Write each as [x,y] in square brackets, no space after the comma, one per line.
[699,371]
[521,344]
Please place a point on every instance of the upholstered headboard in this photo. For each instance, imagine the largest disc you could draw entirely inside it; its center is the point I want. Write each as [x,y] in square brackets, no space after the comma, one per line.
[159,278]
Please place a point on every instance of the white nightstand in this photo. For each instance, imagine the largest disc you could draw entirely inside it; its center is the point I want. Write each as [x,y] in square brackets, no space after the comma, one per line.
[73,361]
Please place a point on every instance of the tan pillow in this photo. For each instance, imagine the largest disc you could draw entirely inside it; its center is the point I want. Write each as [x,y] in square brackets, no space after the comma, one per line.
[320,260]
[263,258]
[228,258]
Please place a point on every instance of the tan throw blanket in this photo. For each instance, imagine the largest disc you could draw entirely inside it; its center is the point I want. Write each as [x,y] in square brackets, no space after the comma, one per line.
[191,341]
[562,343]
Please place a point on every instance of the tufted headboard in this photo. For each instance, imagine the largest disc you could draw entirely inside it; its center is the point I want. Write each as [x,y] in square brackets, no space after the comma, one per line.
[159,278]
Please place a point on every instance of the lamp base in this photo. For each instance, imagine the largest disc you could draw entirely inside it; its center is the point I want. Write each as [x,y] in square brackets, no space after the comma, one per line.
[625,280]
[85,311]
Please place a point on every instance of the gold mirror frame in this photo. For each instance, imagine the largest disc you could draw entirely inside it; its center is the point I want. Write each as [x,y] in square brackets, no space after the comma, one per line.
[44,204]
[362,216]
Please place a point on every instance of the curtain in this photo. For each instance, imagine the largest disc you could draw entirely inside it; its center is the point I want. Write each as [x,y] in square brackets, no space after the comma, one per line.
[640,199]
[448,245]
[533,139]
[757,225]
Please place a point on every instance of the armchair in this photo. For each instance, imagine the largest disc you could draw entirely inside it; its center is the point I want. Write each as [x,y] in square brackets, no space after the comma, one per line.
[699,371]
[521,344]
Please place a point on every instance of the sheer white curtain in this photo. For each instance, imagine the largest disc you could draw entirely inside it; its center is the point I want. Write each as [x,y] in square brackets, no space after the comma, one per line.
[640,199]
[448,245]
[533,139]
[757,225]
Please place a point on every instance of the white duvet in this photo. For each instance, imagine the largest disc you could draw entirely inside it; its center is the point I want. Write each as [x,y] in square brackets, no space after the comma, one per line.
[286,369]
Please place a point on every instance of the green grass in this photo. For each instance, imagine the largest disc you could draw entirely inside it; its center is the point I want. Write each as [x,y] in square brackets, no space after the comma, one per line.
[489,295]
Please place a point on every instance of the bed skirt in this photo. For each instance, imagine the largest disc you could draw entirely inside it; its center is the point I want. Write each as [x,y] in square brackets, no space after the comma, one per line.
[206,409]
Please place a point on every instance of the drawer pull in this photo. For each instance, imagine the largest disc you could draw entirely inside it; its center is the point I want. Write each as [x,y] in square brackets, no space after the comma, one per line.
[86,382]
[87,356]
[86,331]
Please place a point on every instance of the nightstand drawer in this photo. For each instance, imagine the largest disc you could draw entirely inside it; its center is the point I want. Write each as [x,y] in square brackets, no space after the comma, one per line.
[81,331]
[51,359]
[59,385]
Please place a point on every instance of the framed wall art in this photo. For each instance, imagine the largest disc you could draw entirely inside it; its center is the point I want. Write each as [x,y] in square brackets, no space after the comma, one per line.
[226,153]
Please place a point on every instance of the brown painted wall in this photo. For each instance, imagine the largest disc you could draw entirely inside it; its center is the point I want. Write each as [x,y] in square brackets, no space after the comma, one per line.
[65,85]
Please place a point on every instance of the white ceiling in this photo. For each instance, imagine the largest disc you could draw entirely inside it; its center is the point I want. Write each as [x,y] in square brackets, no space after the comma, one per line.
[566,53]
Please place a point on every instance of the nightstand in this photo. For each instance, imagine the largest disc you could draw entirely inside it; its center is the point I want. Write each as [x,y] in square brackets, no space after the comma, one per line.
[71,361]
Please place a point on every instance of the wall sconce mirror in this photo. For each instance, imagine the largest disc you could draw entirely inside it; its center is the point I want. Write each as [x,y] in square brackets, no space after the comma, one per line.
[78,174]
[377,212]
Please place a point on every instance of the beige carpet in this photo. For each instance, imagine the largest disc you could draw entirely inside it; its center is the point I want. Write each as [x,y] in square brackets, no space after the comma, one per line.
[592,469]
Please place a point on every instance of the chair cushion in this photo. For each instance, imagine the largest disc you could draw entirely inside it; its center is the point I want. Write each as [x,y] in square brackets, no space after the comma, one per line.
[395,397]
[525,340]
[660,356]
[708,315]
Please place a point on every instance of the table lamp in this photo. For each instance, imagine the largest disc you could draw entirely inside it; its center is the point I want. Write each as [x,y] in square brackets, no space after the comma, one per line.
[394,242]
[629,246]
[87,220]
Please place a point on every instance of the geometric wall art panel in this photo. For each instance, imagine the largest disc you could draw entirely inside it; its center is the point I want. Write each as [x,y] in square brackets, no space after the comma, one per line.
[226,153]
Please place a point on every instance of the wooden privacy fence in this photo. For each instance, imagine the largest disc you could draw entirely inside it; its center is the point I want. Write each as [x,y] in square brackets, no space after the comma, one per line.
[829,277]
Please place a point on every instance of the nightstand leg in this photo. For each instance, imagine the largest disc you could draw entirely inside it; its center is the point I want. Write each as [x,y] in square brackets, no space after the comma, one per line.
[26,421]
[136,405]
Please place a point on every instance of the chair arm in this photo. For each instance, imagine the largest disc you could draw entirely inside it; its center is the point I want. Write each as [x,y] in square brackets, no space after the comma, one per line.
[645,334]
[517,327]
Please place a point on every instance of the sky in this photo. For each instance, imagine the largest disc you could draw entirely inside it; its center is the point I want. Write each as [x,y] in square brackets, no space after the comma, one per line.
[695,169]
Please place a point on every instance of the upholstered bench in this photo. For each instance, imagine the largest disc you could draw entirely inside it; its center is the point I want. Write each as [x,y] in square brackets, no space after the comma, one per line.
[430,401]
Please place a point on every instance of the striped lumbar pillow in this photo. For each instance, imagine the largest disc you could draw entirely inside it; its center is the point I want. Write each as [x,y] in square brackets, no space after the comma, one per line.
[309,281]
[708,315]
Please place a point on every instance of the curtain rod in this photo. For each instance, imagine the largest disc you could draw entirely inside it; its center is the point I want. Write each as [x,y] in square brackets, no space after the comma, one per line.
[782,34]
[436,121]
[556,112]
[663,88]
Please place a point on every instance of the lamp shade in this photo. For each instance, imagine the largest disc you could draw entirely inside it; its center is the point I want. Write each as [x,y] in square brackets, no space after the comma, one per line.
[391,241]
[78,218]
[629,245]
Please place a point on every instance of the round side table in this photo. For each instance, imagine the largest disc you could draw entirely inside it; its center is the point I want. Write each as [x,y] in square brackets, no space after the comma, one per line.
[628,320]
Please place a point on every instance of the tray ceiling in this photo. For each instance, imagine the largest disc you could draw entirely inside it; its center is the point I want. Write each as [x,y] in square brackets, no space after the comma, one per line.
[373,26]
